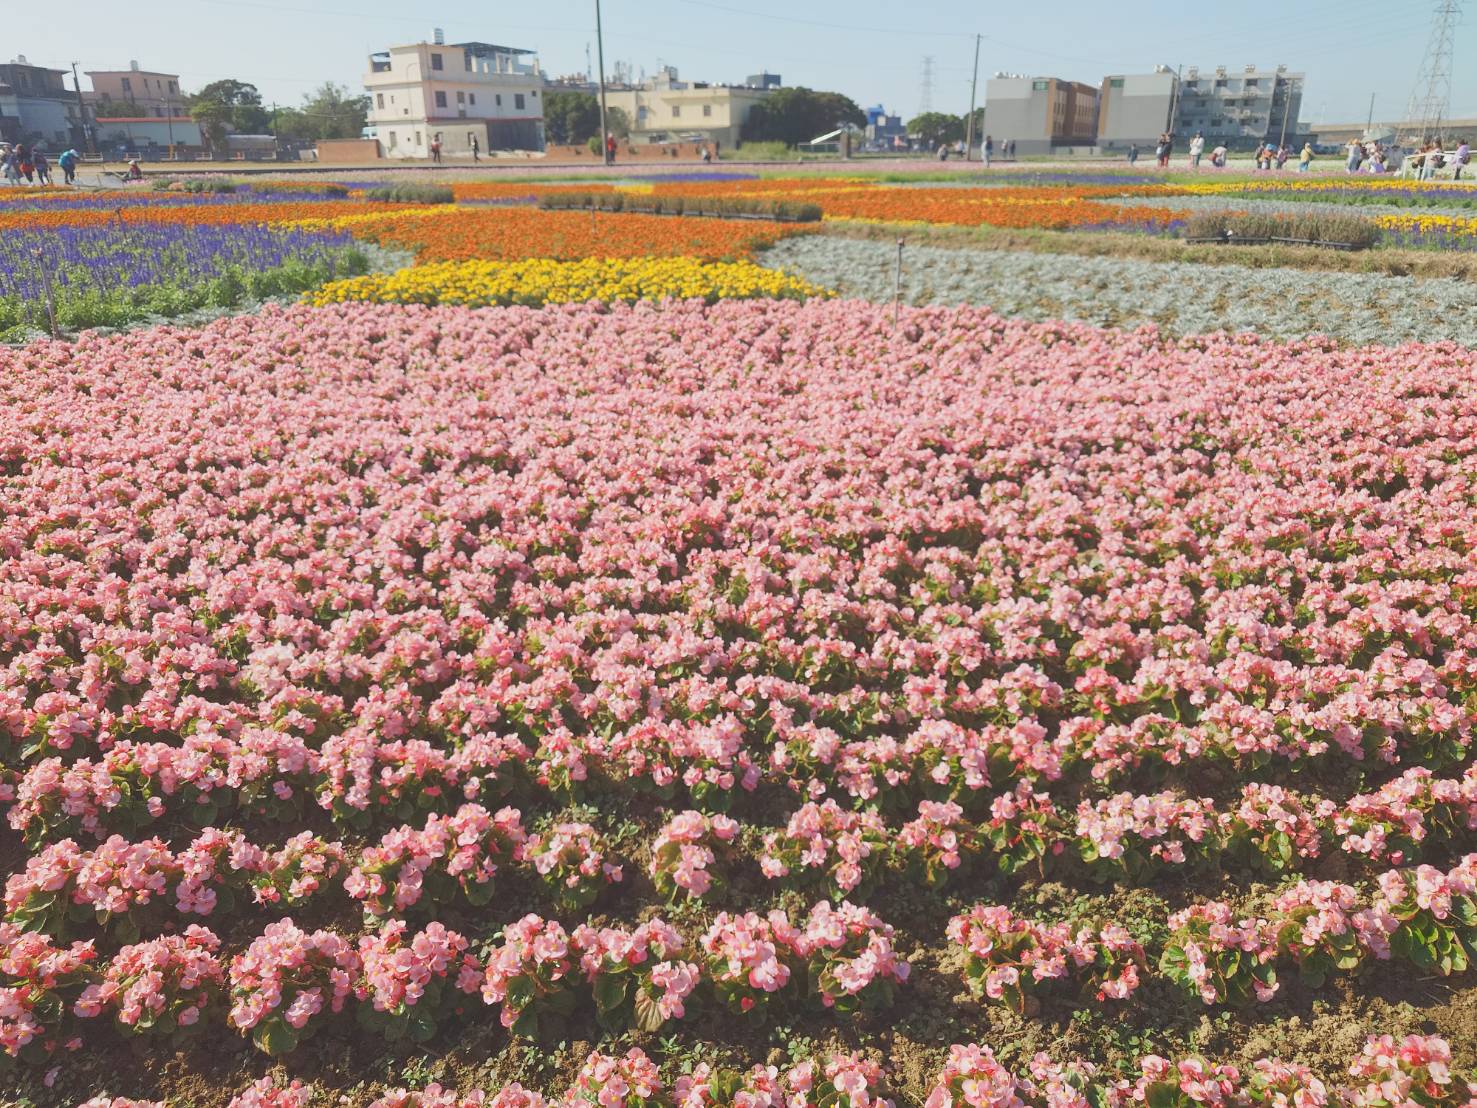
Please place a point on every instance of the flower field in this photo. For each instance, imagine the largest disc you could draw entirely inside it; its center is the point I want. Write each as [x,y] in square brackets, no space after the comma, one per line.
[732,701]
[539,281]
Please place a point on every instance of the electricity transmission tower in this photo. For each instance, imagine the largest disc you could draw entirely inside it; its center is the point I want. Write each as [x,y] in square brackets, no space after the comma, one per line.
[1430,100]
[925,94]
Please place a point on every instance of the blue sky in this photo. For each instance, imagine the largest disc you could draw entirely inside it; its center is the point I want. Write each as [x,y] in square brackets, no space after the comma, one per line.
[871,50]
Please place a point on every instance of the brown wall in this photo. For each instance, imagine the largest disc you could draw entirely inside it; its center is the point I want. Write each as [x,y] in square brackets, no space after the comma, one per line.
[343,151]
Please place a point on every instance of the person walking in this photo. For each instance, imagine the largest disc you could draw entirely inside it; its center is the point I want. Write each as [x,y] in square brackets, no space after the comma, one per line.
[989,150]
[1283,153]
[1162,151]
[476,149]
[1197,148]
[68,161]
[1356,157]
[435,151]
[1133,153]
[1460,159]
[610,149]
[1305,159]
[10,166]
[43,167]
[23,162]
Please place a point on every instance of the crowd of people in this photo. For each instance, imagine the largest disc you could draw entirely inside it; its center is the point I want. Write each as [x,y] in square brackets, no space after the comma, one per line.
[30,164]
[1422,163]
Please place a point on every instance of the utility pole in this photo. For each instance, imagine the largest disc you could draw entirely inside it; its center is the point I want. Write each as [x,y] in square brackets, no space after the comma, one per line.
[81,110]
[973,88]
[1369,123]
[1286,107]
[1174,101]
[600,51]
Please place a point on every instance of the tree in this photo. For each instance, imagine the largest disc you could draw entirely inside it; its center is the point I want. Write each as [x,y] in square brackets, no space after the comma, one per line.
[618,122]
[933,128]
[570,117]
[329,112]
[213,118]
[796,115]
[241,101]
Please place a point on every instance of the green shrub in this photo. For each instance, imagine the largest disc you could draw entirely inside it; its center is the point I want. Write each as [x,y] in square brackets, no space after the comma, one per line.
[715,206]
[1316,227]
[408,192]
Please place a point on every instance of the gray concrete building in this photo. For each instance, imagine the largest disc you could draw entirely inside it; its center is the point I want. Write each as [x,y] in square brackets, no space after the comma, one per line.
[35,106]
[1240,108]
[1134,109]
[1039,114]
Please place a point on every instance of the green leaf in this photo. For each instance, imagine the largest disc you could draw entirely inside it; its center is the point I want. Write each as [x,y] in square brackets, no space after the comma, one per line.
[610,993]
[275,1037]
[421,1024]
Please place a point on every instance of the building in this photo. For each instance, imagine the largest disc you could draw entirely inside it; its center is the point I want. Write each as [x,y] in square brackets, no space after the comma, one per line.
[457,94]
[142,92]
[36,106]
[763,80]
[1240,108]
[1040,113]
[1341,134]
[885,132]
[668,109]
[140,133]
[1134,109]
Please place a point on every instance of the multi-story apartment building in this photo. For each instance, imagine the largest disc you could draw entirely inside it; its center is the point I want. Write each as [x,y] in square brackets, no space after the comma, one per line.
[1039,114]
[454,93]
[1240,108]
[36,106]
[668,109]
[1134,109]
[145,92]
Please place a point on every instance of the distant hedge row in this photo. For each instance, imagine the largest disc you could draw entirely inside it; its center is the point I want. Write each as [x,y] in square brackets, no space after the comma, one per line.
[718,206]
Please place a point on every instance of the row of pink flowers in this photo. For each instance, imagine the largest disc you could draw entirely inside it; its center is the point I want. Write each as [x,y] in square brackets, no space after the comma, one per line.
[1415,1070]
[1420,915]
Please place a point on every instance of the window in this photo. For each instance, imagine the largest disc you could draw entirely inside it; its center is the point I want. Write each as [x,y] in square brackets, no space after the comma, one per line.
[676,111]
[461,97]
[435,61]
[417,138]
[174,86]
[440,99]
[534,94]
[1040,86]
[518,101]
[1117,82]
[127,85]
[471,98]
[379,100]
[1252,82]
[499,98]
[393,136]
[468,59]
[1220,82]
[707,109]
